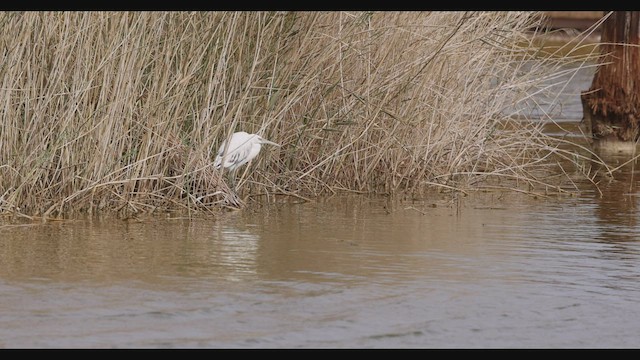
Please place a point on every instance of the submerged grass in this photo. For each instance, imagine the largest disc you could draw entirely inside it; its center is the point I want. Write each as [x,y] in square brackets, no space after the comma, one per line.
[123,111]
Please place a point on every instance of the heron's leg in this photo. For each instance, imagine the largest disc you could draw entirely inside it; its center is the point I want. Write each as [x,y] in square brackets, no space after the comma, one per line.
[235,199]
[231,176]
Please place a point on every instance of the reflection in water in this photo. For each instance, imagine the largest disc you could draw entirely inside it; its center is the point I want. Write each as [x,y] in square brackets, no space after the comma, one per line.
[101,250]
[237,253]
[617,208]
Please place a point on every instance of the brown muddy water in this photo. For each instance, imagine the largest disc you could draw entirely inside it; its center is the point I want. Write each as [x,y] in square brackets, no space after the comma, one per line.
[496,270]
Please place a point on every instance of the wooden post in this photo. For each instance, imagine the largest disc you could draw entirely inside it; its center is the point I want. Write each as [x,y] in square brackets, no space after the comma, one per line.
[612,104]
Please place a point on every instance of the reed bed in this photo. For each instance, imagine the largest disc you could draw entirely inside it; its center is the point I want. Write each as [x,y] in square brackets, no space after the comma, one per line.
[124,111]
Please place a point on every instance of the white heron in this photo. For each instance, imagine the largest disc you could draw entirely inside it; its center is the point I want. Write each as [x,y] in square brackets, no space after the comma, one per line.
[243,147]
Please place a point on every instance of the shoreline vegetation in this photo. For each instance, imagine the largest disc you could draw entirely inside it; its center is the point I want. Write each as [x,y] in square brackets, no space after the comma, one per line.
[122,112]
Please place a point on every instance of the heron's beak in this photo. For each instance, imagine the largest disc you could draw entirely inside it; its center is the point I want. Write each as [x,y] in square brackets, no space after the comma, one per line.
[270,142]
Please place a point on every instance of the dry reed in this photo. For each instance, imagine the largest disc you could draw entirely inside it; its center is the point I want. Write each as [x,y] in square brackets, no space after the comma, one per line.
[124,110]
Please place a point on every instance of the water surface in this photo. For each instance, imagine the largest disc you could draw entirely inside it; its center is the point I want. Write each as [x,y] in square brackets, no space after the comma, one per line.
[347,272]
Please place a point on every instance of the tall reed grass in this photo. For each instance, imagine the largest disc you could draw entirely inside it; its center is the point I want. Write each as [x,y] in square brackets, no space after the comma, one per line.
[124,111]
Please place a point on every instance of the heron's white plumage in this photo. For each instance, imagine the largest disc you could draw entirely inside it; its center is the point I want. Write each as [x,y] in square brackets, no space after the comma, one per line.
[243,147]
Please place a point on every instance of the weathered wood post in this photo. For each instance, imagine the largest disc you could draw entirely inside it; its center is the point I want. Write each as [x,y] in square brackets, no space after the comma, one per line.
[611,106]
